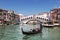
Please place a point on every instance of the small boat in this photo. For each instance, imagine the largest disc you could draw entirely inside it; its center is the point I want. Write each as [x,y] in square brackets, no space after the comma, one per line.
[56,24]
[32,31]
[47,25]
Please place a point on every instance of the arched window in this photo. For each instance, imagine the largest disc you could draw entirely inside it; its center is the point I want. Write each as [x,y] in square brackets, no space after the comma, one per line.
[46,19]
[43,18]
[31,17]
[37,17]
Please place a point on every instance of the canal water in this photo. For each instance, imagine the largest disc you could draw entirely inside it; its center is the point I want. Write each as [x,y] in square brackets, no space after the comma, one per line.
[13,32]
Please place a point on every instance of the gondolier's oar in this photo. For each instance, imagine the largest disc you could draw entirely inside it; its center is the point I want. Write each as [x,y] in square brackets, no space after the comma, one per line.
[22,29]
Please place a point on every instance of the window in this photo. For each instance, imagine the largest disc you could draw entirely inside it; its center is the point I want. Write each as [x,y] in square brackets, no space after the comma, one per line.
[4,14]
[37,17]
[56,22]
[31,17]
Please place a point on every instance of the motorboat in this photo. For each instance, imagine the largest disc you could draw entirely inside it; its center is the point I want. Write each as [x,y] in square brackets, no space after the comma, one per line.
[47,25]
[56,24]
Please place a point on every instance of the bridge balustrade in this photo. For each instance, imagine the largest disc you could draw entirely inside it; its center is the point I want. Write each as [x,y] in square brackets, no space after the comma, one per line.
[37,18]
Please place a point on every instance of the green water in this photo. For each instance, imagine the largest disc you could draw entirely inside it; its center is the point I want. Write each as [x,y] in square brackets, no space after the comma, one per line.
[13,32]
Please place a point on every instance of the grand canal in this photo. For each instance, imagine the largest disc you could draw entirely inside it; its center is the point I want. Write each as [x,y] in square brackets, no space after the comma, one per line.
[13,32]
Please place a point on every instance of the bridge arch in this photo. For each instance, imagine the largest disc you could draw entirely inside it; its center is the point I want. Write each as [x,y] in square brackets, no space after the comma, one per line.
[33,20]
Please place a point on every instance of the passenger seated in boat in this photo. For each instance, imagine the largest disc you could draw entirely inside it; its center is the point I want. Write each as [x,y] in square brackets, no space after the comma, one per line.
[33,30]
[37,29]
[30,30]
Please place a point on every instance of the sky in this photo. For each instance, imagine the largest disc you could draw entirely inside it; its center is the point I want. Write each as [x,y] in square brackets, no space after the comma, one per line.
[29,7]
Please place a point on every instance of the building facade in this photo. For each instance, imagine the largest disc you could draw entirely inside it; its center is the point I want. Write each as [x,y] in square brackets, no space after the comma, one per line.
[55,15]
[16,19]
[7,16]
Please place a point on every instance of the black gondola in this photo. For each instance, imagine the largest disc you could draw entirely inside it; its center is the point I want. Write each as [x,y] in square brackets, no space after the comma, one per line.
[32,31]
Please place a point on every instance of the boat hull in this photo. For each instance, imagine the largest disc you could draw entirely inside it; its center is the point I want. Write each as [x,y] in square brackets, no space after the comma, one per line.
[31,32]
[28,33]
[47,25]
[57,25]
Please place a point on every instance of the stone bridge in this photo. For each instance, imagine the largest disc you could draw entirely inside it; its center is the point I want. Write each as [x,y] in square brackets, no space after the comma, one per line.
[39,18]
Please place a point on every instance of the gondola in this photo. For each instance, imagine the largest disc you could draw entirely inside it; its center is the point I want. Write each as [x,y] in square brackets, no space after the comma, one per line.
[32,31]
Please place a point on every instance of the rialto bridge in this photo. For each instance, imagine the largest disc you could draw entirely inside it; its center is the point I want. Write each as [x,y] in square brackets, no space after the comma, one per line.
[41,18]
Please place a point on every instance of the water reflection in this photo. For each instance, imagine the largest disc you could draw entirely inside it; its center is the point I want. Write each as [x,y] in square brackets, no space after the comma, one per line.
[13,32]
[33,37]
[2,30]
[26,37]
